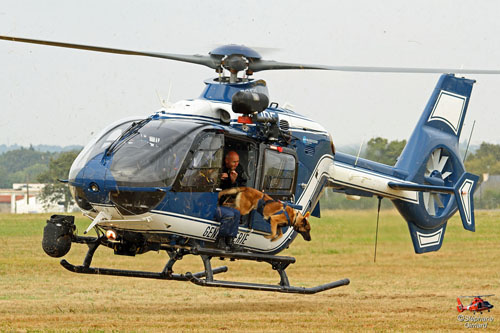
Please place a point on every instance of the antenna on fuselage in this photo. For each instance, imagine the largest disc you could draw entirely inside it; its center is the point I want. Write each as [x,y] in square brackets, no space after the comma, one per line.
[376,230]
[468,143]
[165,104]
[359,152]
[162,102]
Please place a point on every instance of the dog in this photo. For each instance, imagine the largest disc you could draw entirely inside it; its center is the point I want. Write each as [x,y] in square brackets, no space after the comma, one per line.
[246,199]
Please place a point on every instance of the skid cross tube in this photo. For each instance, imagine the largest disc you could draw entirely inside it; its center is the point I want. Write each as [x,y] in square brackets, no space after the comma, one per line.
[278,263]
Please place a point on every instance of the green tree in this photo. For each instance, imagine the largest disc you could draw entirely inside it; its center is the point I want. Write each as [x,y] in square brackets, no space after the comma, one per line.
[22,165]
[382,151]
[485,160]
[55,191]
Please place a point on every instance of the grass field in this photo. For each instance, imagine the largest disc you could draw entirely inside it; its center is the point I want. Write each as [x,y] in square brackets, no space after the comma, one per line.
[402,291]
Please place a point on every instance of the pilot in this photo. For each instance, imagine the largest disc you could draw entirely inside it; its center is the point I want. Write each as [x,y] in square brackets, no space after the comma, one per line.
[233,175]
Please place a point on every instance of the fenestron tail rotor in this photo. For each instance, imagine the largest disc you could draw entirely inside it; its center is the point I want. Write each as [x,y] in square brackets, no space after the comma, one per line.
[435,174]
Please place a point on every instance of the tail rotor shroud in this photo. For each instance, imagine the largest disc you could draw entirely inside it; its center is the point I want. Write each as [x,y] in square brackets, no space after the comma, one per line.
[438,169]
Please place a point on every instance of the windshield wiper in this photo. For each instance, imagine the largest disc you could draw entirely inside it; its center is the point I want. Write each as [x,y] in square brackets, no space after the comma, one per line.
[132,129]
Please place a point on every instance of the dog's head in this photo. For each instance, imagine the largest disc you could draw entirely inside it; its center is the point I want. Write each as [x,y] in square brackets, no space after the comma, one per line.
[302,226]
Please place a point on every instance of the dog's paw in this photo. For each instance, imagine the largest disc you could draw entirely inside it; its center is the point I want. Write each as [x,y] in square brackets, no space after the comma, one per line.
[268,236]
[275,239]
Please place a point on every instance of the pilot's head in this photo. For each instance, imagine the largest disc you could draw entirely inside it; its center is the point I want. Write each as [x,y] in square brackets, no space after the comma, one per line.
[232,160]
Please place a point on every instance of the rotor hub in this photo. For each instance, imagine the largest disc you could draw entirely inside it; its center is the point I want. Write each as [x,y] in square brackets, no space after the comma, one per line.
[235,58]
[436,174]
[233,49]
[235,63]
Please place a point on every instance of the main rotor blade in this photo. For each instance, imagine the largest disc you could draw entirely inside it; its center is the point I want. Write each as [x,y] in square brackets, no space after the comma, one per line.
[209,61]
[262,65]
[255,65]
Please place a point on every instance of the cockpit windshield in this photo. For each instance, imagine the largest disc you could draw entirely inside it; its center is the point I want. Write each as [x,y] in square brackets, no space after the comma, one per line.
[153,155]
[98,146]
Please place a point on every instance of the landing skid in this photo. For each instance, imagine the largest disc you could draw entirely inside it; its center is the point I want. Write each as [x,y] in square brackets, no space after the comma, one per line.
[206,277]
[278,263]
[141,274]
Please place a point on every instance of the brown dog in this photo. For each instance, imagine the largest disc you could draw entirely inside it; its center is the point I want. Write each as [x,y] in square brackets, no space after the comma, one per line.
[247,199]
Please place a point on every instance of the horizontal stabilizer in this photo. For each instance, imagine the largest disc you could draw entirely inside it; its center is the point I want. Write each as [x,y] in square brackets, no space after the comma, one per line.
[464,192]
[425,240]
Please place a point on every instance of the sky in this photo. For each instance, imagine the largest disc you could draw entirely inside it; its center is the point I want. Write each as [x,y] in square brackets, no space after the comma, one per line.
[63,97]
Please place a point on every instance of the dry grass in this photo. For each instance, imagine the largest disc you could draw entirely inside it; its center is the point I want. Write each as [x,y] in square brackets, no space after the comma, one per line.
[402,291]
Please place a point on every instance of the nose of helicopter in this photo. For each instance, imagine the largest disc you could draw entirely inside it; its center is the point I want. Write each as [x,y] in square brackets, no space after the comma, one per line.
[135,175]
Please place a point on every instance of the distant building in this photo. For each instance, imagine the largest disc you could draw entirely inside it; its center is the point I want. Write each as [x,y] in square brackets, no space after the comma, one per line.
[23,199]
[490,182]
[487,195]
[6,201]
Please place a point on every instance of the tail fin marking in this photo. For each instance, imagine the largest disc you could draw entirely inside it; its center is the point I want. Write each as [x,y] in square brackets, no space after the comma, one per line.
[425,240]
[432,239]
[449,109]
[464,191]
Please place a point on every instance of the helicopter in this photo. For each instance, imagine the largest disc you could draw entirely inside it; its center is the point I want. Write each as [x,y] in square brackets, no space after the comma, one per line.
[477,304]
[151,184]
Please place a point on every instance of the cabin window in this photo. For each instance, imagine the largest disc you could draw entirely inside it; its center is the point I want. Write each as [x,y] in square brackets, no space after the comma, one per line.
[248,153]
[279,172]
[202,172]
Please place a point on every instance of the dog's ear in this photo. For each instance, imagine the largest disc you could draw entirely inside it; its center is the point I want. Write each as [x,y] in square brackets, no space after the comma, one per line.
[307,215]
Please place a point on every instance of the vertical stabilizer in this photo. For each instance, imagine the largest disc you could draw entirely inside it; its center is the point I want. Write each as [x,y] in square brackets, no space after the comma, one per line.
[464,192]
[431,158]
[460,306]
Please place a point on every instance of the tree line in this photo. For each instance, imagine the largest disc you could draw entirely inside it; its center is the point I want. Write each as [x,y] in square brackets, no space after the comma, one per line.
[23,166]
[27,165]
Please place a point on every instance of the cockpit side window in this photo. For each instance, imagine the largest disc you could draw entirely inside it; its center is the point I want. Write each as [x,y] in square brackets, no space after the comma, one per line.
[202,172]
[279,173]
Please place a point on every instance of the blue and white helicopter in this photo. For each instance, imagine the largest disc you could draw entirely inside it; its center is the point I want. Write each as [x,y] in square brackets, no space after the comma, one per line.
[152,184]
